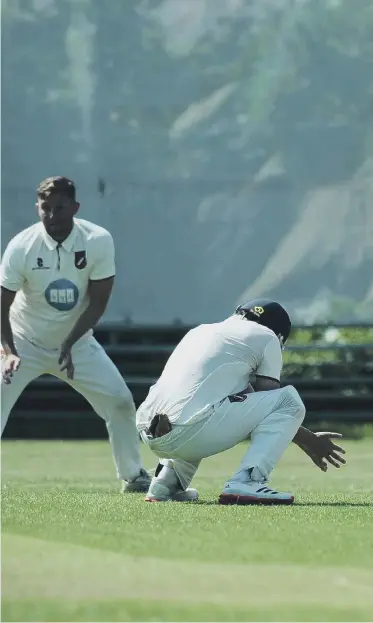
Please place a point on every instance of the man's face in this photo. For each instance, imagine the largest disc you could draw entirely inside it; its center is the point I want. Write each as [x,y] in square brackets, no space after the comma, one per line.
[56,212]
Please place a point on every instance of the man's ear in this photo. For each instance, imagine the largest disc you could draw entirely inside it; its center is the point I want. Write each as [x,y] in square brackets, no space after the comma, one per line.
[77,206]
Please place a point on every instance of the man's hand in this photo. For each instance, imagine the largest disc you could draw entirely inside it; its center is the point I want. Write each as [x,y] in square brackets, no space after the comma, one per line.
[321,449]
[65,361]
[10,365]
[159,426]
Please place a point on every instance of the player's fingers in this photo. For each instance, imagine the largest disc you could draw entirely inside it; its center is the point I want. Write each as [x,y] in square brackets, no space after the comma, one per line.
[338,458]
[341,450]
[70,370]
[8,373]
[333,462]
[13,367]
[332,435]
[321,463]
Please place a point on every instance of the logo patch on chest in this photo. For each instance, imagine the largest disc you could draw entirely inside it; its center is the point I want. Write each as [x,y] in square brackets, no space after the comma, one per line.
[80,259]
[62,295]
[40,264]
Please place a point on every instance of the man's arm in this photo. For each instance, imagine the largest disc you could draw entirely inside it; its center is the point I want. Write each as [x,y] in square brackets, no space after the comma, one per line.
[11,361]
[269,370]
[99,294]
[7,340]
[318,446]
[12,280]
[266,384]
[302,436]
[100,285]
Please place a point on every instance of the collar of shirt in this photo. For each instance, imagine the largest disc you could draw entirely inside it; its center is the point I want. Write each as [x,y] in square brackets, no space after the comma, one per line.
[67,244]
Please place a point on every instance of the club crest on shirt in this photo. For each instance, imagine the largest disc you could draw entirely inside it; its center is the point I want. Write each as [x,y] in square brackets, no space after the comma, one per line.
[62,295]
[40,264]
[80,259]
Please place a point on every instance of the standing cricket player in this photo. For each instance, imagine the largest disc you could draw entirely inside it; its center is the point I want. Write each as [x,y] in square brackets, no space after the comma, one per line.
[56,281]
[203,404]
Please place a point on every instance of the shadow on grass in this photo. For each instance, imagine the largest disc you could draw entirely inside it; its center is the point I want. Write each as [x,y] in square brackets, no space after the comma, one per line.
[344,504]
[296,504]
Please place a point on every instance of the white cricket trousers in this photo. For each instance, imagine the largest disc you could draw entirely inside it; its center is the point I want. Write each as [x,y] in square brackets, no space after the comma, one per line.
[272,419]
[99,381]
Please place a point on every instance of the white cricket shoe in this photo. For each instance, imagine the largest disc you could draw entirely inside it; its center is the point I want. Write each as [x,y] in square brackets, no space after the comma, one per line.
[140,484]
[253,492]
[159,492]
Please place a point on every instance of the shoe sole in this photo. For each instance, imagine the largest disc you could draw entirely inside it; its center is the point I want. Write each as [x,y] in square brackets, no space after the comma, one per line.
[170,500]
[245,500]
[136,489]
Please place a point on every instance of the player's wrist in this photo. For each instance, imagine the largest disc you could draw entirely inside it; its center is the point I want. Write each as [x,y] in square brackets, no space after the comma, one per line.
[303,436]
[9,350]
[67,344]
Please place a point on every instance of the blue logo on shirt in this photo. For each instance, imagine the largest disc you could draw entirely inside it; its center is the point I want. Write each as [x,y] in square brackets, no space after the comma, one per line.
[62,294]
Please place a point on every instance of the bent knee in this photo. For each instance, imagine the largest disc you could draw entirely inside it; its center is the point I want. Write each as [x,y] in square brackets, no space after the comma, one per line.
[294,402]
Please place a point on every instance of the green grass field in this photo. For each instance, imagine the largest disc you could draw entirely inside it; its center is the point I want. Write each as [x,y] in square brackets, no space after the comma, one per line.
[74,549]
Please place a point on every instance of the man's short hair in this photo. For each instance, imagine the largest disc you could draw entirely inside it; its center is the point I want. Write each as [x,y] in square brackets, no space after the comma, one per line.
[56,184]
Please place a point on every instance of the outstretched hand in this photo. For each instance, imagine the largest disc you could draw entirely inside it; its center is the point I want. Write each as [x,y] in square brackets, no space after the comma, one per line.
[322,450]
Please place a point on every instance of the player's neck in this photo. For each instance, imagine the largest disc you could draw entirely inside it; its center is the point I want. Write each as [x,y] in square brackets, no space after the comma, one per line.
[62,236]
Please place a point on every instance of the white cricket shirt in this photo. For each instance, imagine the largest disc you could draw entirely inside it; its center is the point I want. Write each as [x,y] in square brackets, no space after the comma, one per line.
[51,279]
[211,362]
